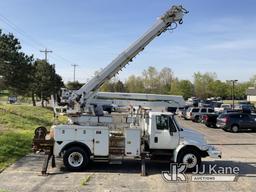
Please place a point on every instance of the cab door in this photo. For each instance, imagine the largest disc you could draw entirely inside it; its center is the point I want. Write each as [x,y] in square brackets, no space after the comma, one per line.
[164,133]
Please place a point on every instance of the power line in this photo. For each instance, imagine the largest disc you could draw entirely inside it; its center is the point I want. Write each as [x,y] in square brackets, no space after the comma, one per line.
[32,40]
[63,58]
[20,31]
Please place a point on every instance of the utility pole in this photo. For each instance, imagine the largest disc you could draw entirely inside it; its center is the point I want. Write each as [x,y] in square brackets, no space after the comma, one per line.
[74,65]
[45,53]
[233,91]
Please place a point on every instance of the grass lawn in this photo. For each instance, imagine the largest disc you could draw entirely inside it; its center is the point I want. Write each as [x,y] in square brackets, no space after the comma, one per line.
[17,125]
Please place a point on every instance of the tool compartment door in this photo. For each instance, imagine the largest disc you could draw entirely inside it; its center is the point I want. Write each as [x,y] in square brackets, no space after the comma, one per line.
[101,142]
[132,142]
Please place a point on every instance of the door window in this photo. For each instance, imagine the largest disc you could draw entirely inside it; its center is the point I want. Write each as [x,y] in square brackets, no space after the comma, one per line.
[210,110]
[164,122]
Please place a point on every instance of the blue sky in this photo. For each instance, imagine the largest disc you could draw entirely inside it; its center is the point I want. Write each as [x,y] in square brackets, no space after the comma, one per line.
[217,36]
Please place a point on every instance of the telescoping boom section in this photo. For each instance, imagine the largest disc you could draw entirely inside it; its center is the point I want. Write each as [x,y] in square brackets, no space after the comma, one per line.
[167,21]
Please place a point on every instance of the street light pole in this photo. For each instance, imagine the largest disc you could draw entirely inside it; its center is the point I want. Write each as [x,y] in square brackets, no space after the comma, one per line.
[233,91]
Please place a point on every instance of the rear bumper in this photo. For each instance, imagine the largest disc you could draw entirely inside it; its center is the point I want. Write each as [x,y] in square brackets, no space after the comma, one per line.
[213,152]
[221,125]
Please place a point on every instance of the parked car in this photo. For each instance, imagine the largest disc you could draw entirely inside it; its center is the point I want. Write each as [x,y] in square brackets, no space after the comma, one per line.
[193,101]
[236,121]
[244,102]
[190,111]
[216,104]
[181,111]
[12,100]
[245,108]
[210,119]
[205,103]
[197,116]
[223,107]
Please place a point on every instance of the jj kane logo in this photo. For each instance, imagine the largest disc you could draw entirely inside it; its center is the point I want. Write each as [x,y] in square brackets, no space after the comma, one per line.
[207,173]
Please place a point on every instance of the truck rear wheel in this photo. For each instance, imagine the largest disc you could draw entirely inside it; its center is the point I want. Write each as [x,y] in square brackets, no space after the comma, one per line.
[75,159]
[191,158]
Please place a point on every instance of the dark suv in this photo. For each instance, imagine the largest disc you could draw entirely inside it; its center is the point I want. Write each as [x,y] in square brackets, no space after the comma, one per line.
[236,121]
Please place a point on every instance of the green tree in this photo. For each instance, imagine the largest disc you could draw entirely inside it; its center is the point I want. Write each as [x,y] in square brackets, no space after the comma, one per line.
[45,80]
[74,85]
[119,86]
[252,81]
[186,88]
[175,89]
[218,88]
[240,90]
[202,84]
[134,84]
[151,80]
[166,77]
[113,86]
[15,66]
[182,87]
[107,87]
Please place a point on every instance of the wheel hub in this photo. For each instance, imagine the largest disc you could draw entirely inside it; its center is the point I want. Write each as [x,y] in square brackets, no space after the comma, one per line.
[190,160]
[75,159]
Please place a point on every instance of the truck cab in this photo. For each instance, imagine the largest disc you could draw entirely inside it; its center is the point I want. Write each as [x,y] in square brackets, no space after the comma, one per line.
[167,137]
[163,133]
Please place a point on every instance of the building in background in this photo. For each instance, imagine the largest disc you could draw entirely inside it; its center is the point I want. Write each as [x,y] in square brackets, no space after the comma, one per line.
[251,94]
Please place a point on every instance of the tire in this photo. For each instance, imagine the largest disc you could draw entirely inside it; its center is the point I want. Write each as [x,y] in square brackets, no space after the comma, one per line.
[207,125]
[196,119]
[76,159]
[191,158]
[235,128]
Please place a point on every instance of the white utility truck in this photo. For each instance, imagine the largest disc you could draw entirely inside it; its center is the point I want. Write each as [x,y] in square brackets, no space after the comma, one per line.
[138,134]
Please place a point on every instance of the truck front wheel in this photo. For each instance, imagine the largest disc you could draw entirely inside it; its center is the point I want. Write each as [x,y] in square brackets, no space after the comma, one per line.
[75,159]
[191,158]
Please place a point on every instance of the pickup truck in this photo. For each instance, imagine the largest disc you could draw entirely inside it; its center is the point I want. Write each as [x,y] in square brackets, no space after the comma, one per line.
[236,121]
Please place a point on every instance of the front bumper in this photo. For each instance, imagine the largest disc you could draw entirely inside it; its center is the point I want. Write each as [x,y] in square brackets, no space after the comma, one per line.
[213,152]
